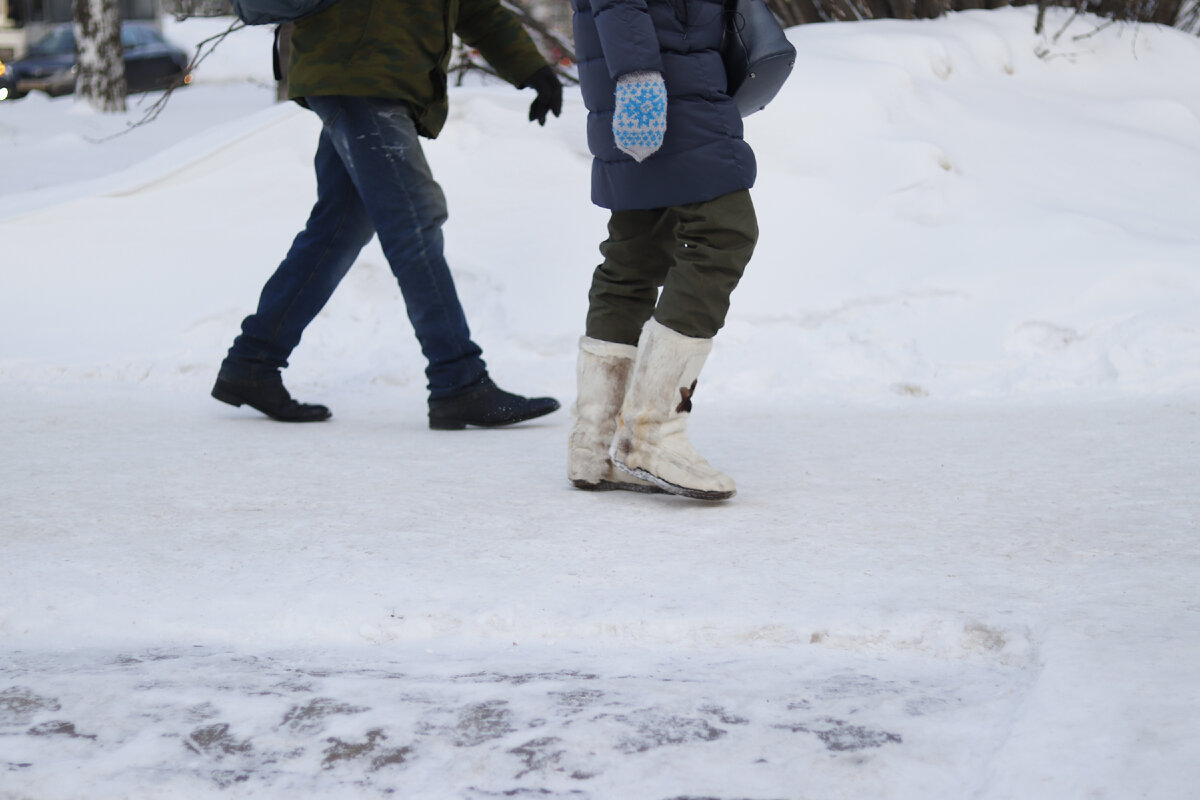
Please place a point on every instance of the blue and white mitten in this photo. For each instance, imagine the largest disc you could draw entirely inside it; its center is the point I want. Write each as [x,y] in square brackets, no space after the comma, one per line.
[640,116]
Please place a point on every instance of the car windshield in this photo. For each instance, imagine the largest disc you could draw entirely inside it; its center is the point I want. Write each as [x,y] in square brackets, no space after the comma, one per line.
[57,42]
[137,36]
[61,41]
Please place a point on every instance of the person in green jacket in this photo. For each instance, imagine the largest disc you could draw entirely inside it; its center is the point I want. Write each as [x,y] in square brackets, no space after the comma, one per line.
[375,73]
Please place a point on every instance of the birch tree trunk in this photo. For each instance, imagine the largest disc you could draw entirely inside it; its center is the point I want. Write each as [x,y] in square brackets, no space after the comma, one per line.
[99,62]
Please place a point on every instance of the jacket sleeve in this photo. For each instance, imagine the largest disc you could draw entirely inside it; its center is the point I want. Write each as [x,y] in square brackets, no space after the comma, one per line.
[500,38]
[627,36]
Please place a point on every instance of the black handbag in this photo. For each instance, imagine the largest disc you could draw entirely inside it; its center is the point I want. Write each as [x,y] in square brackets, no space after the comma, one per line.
[757,54]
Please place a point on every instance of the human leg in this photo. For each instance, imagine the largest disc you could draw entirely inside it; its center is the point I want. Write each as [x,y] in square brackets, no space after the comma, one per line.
[651,440]
[622,297]
[713,244]
[321,254]
[379,143]
[602,374]
[637,255]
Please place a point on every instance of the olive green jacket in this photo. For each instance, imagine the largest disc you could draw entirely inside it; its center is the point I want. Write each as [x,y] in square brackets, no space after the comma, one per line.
[400,50]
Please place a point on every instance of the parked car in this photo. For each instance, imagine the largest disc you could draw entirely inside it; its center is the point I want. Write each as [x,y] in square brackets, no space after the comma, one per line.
[151,62]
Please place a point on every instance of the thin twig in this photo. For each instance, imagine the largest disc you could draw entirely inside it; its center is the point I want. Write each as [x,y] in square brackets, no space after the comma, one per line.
[161,103]
[542,30]
[1067,24]
[1080,37]
[467,64]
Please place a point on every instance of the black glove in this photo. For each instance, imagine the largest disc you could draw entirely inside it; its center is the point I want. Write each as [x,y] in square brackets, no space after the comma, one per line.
[549,94]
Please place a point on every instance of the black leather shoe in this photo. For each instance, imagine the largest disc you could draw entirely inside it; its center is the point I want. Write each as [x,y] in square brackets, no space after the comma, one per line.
[487,406]
[264,391]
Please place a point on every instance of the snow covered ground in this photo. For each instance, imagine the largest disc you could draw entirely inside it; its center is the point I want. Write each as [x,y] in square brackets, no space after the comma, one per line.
[959,390]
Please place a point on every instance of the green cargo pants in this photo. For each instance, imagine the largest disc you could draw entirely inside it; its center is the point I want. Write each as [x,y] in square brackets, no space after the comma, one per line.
[696,253]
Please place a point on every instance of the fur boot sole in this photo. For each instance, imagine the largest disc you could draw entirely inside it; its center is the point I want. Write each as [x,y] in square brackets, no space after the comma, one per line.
[673,488]
[618,486]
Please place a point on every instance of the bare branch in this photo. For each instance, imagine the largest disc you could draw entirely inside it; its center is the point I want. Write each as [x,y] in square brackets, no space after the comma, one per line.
[1078,10]
[467,64]
[542,30]
[161,103]
[1081,36]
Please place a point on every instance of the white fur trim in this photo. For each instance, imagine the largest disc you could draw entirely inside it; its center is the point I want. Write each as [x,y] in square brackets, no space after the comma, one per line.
[605,349]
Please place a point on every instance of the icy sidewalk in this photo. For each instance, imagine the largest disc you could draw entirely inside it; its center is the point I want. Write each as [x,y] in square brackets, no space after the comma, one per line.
[532,721]
[921,601]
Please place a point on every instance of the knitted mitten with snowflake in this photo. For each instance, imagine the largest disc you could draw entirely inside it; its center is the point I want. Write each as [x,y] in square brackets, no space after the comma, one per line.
[640,116]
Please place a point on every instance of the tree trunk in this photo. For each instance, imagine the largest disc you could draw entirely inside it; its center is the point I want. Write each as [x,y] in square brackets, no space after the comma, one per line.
[99,61]
[796,12]
[1189,17]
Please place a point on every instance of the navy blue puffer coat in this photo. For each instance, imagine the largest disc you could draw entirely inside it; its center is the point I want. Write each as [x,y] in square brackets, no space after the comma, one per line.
[703,154]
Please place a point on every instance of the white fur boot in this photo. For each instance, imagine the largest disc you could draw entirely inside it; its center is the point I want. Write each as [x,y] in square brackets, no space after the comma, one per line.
[602,372]
[651,441]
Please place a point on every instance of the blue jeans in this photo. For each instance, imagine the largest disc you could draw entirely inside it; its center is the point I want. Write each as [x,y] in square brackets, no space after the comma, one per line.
[372,177]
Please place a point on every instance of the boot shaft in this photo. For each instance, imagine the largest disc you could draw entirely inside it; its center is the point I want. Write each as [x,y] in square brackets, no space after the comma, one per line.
[651,440]
[602,374]
[664,379]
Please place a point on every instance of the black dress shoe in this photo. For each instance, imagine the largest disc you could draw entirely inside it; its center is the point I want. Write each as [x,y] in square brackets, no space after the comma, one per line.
[264,391]
[487,406]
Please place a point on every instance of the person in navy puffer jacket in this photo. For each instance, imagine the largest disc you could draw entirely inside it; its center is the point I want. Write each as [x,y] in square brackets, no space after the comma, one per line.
[671,165]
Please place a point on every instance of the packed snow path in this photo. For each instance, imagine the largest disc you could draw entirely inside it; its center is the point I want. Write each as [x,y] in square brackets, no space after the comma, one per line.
[440,724]
[959,390]
[932,602]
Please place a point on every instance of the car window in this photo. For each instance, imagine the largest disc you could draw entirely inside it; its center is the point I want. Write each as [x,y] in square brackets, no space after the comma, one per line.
[136,36]
[62,40]
[57,42]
